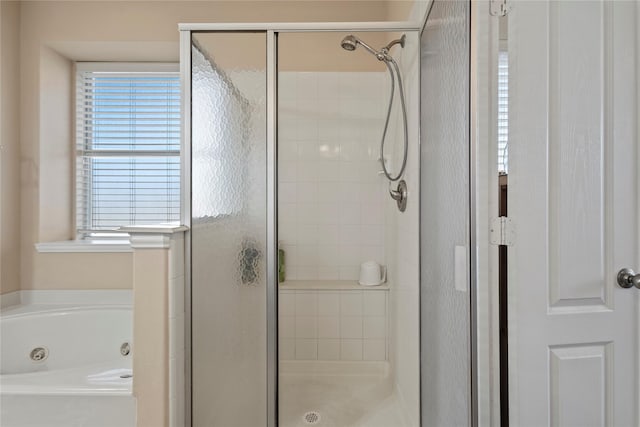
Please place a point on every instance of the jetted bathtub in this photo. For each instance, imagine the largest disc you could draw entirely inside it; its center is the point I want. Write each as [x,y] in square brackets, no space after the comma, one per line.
[66,366]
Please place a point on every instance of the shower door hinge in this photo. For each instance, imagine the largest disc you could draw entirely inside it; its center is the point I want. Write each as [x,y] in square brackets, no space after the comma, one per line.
[501,232]
[499,8]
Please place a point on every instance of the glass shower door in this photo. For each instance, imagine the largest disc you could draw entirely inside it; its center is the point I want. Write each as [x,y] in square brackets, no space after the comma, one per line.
[445,291]
[228,234]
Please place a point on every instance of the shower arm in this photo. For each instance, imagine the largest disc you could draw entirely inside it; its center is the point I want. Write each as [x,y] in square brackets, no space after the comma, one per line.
[385,50]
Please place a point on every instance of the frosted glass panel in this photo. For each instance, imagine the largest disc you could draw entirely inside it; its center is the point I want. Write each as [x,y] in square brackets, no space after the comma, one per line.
[229,229]
[444,214]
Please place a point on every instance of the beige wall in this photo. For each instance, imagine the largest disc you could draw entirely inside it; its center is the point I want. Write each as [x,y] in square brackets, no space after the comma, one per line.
[82,271]
[53,34]
[10,151]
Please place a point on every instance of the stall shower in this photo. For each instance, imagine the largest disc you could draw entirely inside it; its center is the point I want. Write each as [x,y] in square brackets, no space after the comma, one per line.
[305,296]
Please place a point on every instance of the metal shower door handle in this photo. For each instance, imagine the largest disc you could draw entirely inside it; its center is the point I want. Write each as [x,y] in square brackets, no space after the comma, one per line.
[628,278]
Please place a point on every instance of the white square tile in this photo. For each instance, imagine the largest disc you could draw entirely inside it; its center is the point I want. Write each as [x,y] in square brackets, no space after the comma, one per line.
[371,214]
[350,171]
[287,232]
[328,303]
[287,171]
[286,129]
[350,349]
[307,192]
[372,235]
[326,84]
[287,350]
[351,303]
[351,131]
[349,152]
[307,213]
[287,150]
[328,349]
[308,151]
[291,272]
[307,234]
[328,213]
[328,171]
[306,85]
[350,214]
[287,213]
[350,255]
[350,192]
[349,272]
[328,273]
[369,171]
[351,327]
[306,272]
[374,303]
[286,326]
[292,257]
[307,255]
[328,327]
[328,128]
[306,349]
[374,253]
[306,327]
[286,304]
[308,171]
[374,350]
[286,88]
[328,192]
[306,303]
[329,150]
[371,193]
[328,256]
[375,327]
[329,234]
[350,234]
[287,192]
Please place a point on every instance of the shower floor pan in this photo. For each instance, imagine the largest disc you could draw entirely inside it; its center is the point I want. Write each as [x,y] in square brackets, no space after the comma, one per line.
[338,394]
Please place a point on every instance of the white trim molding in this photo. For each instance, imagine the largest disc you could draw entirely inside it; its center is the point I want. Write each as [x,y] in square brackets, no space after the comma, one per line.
[301,27]
[86,246]
[152,236]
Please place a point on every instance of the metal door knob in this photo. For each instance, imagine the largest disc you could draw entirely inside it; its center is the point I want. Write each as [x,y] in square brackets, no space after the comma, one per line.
[628,278]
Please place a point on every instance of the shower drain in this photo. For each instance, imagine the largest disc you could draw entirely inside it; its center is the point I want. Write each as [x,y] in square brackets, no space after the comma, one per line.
[312,417]
[39,354]
[125,349]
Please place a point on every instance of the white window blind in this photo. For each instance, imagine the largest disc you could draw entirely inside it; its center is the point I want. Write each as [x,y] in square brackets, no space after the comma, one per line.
[503,112]
[128,145]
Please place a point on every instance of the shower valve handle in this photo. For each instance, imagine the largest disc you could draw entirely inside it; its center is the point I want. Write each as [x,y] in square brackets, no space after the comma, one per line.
[400,195]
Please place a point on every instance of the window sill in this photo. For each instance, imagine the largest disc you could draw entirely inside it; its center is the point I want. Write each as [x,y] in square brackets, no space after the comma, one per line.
[85,246]
[149,237]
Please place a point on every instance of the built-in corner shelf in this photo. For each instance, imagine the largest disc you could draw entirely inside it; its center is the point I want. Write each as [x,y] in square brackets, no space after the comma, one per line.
[329,285]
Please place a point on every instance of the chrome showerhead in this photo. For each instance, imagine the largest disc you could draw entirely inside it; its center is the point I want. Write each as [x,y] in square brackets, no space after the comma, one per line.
[349,43]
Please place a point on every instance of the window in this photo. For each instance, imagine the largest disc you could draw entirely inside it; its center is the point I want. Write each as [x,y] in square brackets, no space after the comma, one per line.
[128,146]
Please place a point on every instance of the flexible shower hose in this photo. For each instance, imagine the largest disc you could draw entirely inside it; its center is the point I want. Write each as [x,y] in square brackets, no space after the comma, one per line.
[389,59]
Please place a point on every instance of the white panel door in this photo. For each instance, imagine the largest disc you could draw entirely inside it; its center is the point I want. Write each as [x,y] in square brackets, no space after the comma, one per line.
[573,197]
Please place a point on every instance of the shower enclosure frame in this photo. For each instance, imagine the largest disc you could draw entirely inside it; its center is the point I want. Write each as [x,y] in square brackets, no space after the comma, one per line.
[272,30]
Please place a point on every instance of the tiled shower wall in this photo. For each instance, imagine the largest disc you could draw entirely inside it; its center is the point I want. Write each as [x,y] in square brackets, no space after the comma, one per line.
[333,325]
[330,195]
